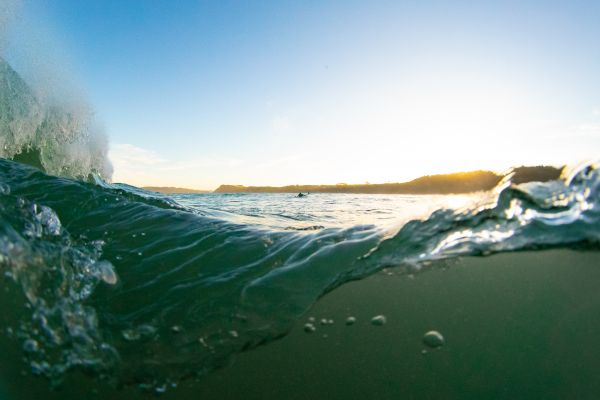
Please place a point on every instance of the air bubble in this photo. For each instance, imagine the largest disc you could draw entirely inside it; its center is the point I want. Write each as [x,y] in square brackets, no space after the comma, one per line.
[176,329]
[379,320]
[309,328]
[350,321]
[160,389]
[130,335]
[106,272]
[433,339]
[30,346]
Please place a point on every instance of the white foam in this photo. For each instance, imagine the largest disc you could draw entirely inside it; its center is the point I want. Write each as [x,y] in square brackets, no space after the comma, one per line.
[69,139]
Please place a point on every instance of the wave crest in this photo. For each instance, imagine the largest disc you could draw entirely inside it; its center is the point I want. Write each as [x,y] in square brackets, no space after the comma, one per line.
[193,290]
[60,139]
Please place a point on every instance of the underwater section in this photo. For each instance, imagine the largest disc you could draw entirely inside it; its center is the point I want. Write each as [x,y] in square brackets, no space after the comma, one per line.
[135,288]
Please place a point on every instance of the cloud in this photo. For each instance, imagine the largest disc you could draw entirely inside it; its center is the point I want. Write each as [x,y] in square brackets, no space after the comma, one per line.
[128,155]
[139,166]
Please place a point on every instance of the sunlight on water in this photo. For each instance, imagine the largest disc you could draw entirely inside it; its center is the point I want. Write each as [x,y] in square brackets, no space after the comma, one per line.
[320,210]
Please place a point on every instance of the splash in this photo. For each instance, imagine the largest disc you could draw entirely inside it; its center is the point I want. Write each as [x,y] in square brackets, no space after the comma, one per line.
[61,139]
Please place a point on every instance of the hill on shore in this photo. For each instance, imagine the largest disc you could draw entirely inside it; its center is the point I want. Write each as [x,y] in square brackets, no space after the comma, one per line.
[461,182]
[170,189]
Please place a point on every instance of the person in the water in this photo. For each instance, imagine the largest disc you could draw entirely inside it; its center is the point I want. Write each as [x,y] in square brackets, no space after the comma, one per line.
[301,194]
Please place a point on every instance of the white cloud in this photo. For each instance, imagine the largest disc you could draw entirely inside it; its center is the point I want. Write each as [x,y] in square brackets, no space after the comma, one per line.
[142,167]
[124,154]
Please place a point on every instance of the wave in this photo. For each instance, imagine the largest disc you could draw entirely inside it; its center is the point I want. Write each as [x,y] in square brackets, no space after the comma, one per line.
[135,288]
[58,138]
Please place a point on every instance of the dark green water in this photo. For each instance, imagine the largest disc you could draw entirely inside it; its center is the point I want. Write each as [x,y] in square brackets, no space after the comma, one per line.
[138,292]
[517,326]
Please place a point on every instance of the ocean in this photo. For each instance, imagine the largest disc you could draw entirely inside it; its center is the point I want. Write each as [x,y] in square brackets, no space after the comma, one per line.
[145,290]
[112,291]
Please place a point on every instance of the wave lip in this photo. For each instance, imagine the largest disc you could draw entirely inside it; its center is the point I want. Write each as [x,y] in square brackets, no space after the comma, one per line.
[59,139]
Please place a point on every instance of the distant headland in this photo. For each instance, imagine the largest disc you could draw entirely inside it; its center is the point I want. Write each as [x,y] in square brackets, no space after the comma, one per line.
[170,189]
[456,183]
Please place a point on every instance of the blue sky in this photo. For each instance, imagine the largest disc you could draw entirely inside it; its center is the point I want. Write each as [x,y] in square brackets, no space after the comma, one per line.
[196,93]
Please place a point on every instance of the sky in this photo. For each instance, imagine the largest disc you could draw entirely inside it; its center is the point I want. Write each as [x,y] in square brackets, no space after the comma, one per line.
[197,93]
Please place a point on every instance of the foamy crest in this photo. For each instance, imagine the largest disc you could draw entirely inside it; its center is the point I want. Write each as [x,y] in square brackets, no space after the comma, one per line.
[63,138]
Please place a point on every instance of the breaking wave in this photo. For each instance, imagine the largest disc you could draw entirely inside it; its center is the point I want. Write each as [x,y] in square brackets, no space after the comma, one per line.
[61,138]
[136,288]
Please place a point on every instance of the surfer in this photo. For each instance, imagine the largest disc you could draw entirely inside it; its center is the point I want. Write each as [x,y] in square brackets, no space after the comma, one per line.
[301,194]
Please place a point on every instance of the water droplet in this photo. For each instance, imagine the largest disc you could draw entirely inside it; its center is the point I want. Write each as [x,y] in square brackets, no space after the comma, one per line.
[233,334]
[379,320]
[433,339]
[311,319]
[309,328]
[324,321]
[350,321]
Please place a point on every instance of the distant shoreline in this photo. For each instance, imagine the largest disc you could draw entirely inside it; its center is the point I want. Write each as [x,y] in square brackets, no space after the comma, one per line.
[455,183]
[171,189]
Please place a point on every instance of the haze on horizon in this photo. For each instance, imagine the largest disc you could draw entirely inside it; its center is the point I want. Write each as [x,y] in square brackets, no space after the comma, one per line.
[198,94]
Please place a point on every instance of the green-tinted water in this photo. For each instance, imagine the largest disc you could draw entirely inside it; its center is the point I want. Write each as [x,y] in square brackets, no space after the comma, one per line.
[517,326]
